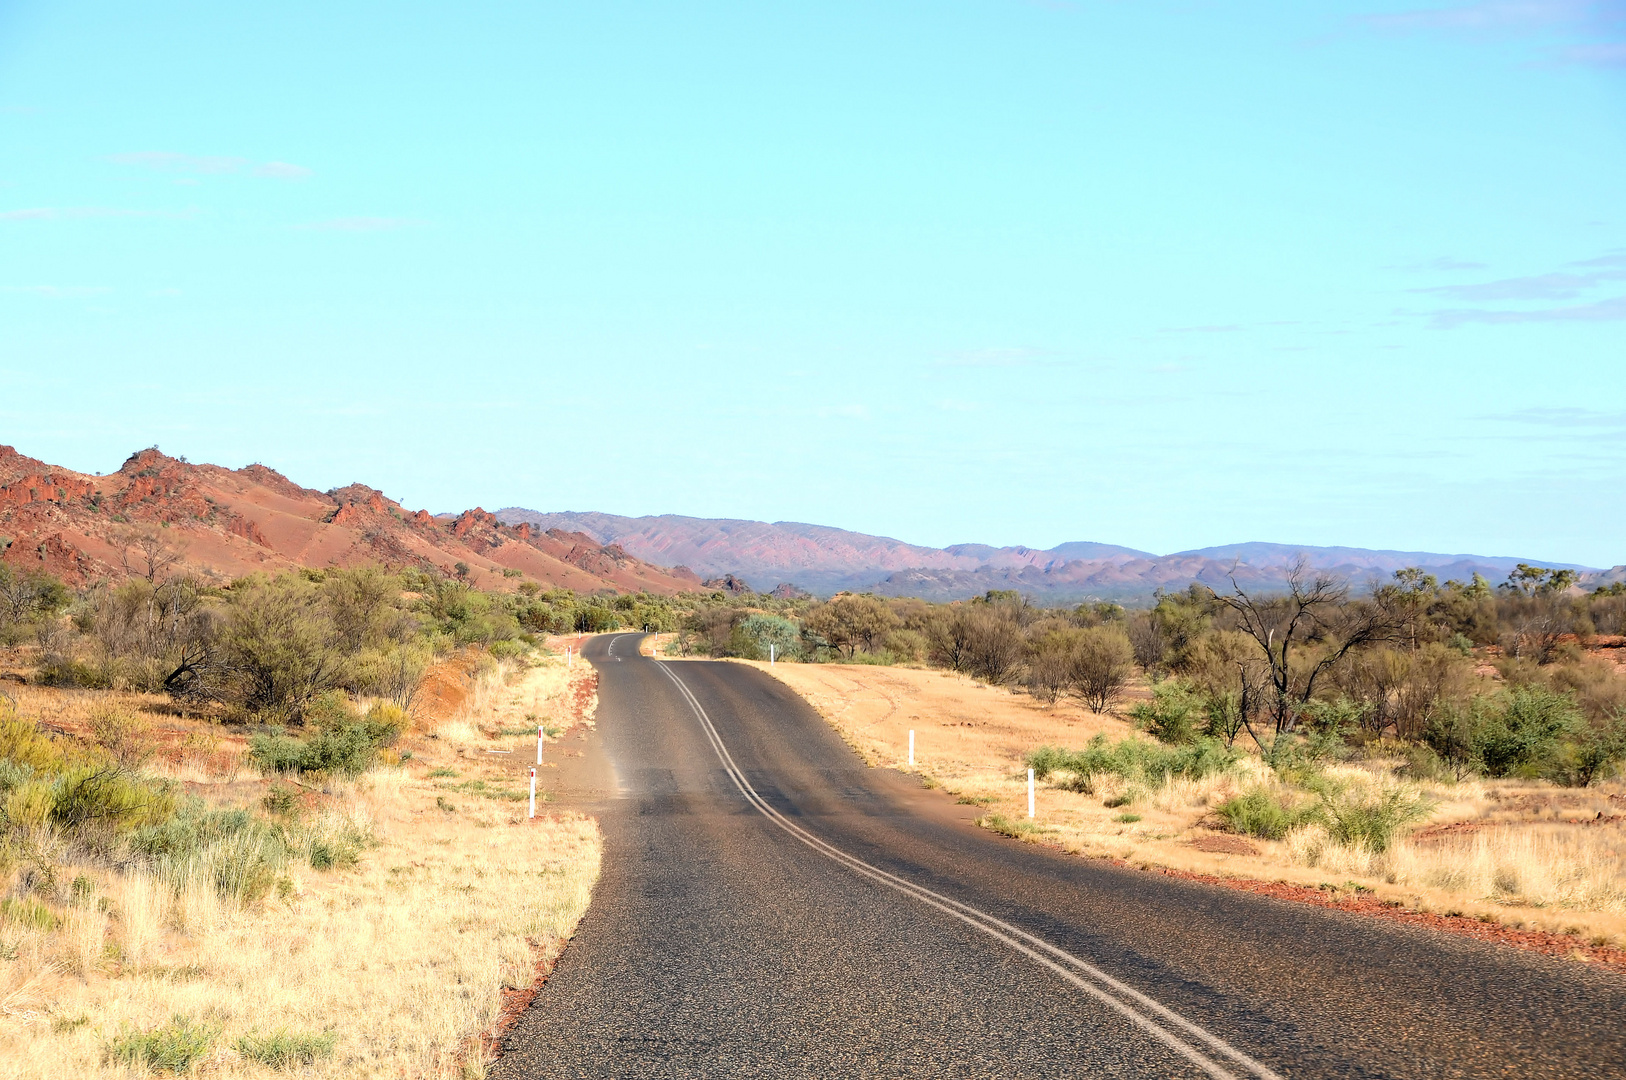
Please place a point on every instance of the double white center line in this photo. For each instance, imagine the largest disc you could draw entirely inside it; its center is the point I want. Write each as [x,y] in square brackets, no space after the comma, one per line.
[1206,1051]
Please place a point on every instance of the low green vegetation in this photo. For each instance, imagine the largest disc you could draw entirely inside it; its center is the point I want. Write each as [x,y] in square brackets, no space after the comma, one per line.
[1136,760]
[286,1049]
[176,1047]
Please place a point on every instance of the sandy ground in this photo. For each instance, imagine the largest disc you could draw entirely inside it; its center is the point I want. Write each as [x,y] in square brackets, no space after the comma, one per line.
[971,740]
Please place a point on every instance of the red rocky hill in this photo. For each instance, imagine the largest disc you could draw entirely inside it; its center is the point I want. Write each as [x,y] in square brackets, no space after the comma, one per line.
[226,523]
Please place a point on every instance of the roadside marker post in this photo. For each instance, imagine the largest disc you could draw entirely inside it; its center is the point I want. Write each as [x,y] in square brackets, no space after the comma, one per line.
[911,746]
[1030,793]
[770,654]
[567,656]
[533,792]
[539,744]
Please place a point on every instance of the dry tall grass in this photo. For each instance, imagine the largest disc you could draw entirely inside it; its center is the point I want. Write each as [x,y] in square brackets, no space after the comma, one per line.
[401,959]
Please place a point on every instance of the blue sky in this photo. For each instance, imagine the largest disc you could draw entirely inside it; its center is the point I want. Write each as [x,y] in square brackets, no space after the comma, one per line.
[1160,274]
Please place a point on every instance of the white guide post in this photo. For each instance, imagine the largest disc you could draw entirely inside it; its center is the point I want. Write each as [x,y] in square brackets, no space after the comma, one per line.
[911,746]
[567,656]
[539,744]
[533,791]
[1030,793]
[770,654]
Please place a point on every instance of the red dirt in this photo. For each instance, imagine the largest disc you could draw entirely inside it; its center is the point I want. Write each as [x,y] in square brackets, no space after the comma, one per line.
[515,1000]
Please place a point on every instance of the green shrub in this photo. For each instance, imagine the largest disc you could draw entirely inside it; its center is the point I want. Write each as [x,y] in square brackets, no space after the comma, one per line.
[284,1049]
[1174,714]
[281,800]
[1016,828]
[276,753]
[1133,759]
[1259,812]
[108,798]
[237,853]
[1372,817]
[346,747]
[29,913]
[175,1047]
[1522,735]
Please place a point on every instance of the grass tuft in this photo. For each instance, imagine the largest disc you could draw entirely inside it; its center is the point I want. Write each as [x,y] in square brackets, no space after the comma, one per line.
[284,1049]
[175,1048]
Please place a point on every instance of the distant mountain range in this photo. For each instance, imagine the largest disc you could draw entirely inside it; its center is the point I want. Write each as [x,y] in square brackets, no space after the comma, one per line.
[826,560]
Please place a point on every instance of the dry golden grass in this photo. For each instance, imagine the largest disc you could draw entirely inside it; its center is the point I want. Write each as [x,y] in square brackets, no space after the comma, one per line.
[402,959]
[1533,859]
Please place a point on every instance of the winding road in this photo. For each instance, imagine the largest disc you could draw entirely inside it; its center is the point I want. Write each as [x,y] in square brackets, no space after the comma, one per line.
[770,907]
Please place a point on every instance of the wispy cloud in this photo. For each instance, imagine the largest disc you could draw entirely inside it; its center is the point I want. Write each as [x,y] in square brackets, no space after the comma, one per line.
[1444,262]
[361,224]
[1493,17]
[1582,32]
[209,165]
[1565,418]
[1537,287]
[1599,54]
[71,213]
[1228,328]
[56,292]
[1603,311]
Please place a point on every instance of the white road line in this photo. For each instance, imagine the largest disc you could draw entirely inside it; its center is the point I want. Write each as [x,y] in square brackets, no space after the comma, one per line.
[1150,1016]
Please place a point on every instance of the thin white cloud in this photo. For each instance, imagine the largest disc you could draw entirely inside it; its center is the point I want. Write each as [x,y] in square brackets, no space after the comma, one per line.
[1566,418]
[70,213]
[997,357]
[1444,262]
[361,224]
[1537,287]
[56,292]
[209,165]
[1612,310]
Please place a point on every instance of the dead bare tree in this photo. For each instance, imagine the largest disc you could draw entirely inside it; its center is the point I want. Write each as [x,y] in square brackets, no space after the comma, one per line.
[1316,608]
[148,553]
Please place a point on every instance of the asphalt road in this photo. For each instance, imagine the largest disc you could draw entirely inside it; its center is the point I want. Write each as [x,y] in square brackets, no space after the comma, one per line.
[771,907]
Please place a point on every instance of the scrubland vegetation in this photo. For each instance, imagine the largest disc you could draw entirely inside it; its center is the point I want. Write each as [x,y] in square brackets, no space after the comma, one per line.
[1452,745]
[253,829]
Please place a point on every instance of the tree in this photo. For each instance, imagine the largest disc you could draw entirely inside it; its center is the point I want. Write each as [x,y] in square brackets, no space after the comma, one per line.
[1102,662]
[1314,609]
[994,643]
[1051,659]
[848,622]
[148,552]
[26,594]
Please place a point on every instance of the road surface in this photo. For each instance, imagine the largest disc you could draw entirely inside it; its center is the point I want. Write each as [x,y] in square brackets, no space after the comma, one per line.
[770,907]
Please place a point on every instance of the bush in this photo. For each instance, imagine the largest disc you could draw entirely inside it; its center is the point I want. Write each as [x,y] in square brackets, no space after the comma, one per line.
[343,745]
[175,1047]
[1102,663]
[1133,759]
[29,914]
[106,798]
[1173,715]
[284,1049]
[238,854]
[1370,818]
[1522,736]
[1260,813]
